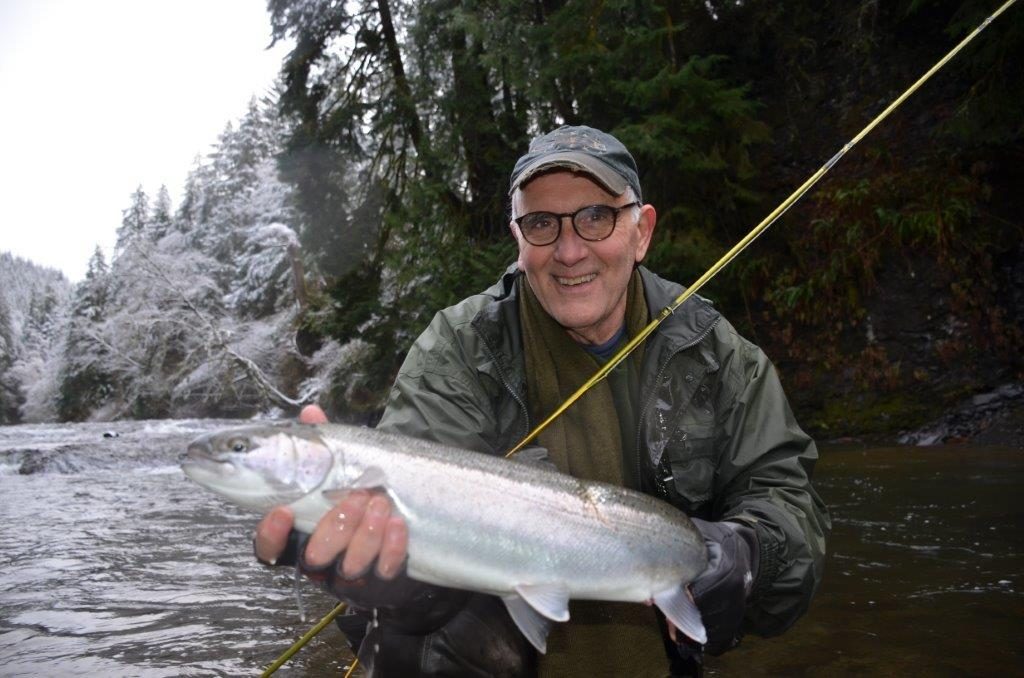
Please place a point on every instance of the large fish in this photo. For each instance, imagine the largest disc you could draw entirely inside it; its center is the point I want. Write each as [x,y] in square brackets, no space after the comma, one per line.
[532,536]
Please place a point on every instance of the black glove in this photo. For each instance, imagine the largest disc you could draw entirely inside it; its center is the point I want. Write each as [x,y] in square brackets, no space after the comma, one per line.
[419,608]
[423,629]
[721,591]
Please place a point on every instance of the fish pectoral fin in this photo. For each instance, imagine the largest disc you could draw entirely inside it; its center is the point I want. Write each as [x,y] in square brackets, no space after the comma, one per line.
[369,479]
[531,623]
[550,600]
[334,496]
[680,609]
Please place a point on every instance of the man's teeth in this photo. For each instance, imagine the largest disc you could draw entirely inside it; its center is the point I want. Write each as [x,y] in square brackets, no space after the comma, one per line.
[579,280]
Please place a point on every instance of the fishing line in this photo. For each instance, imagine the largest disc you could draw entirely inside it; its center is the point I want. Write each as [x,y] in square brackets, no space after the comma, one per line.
[690,291]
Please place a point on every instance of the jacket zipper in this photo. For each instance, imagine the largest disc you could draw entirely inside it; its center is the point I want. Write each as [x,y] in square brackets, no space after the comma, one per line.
[657,380]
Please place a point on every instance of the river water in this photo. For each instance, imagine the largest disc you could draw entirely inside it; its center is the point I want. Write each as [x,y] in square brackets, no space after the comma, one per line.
[112,563]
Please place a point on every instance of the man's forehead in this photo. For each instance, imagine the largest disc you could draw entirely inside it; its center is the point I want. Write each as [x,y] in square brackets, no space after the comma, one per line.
[536,190]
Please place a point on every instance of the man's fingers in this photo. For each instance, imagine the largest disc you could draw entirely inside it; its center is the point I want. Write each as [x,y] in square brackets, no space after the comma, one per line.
[272,533]
[394,548]
[312,414]
[368,537]
[361,526]
[336,529]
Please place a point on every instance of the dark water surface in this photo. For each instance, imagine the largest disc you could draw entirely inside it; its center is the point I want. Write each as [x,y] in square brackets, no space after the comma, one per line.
[924,575]
[112,563]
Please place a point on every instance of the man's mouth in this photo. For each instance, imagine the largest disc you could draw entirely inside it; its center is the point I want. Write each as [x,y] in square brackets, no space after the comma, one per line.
[578,280]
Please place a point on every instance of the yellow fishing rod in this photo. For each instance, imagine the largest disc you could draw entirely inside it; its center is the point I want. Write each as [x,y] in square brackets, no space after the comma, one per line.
[750,237]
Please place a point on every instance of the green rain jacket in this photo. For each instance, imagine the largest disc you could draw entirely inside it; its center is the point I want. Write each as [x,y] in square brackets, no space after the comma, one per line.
[717,438]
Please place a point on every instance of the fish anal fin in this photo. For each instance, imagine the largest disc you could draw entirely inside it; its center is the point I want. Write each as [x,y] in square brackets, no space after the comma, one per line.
[550,600]
[531,623]
[680,609]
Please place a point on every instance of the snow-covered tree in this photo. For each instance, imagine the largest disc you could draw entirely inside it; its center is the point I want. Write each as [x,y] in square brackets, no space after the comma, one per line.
[160,219]
[85,379]
[194,313]
[134,220]
[8,386]
[33,314]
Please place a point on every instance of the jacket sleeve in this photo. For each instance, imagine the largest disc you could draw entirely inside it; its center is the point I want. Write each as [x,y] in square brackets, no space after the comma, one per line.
[764,479]
[436,396]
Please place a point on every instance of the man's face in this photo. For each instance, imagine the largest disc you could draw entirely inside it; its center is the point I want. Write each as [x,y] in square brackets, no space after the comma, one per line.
[582,284]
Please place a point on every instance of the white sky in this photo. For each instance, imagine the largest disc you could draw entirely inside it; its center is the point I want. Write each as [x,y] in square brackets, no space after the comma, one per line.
[100,96]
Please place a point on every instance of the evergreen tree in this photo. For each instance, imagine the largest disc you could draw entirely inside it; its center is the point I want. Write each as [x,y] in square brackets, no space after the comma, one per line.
[33,309]
[8,386]
[134,221]
[193,204]
[85,379]
[160,222]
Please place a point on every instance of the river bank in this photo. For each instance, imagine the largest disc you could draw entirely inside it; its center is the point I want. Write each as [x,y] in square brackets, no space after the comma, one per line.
[992,418]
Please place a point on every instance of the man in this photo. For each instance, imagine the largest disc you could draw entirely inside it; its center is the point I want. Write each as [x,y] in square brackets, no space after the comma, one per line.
[696,416]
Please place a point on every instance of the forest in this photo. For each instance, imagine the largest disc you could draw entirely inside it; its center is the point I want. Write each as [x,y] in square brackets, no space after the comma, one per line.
[368,190]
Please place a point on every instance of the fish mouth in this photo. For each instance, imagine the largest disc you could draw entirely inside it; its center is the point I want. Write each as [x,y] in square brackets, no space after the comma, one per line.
[199,457]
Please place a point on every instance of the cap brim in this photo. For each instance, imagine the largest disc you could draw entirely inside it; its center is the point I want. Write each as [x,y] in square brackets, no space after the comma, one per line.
[609,179]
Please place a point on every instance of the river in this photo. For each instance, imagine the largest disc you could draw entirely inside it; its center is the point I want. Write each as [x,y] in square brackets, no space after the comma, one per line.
[112,563]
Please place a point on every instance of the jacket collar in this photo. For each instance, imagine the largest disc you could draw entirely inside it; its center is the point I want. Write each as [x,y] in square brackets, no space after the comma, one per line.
[688,324]
[497,323]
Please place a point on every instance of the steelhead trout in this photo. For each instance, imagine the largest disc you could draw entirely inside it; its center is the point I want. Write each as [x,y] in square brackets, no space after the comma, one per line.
[532,536]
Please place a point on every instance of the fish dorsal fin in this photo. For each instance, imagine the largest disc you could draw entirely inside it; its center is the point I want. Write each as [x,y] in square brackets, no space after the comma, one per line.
[682,611]
[371,478]
[550,600]
[531,623]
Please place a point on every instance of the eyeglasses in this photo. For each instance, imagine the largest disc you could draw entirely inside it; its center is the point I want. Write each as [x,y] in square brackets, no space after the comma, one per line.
[593,223]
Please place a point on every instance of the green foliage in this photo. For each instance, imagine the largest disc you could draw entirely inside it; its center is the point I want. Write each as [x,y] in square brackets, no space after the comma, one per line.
[404,120]
[817,289]
[82,392]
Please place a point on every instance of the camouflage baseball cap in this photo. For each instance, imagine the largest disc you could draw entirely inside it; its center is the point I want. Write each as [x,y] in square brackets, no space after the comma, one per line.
[579,149]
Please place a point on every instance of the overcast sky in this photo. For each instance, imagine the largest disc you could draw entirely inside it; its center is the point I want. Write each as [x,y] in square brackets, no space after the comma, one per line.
[100,96]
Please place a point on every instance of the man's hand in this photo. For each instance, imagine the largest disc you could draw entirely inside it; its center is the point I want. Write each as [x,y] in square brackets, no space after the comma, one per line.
[360,526]
[721,591]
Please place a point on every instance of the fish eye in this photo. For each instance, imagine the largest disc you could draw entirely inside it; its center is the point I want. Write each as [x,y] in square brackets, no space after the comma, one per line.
[238,445]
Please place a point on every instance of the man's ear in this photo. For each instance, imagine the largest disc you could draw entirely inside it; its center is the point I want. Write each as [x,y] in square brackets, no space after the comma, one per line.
[645,226]
[519,242]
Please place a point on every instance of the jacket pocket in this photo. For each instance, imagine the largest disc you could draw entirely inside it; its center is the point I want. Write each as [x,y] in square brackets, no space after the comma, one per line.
[691,458]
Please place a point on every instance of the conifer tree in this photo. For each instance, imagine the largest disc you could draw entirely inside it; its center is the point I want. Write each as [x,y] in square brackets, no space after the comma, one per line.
[85,379]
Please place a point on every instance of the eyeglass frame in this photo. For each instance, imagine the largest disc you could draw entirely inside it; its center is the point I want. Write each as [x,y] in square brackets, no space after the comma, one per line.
[560,216]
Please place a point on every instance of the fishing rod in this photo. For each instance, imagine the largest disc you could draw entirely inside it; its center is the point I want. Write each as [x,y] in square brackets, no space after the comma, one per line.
[724,261]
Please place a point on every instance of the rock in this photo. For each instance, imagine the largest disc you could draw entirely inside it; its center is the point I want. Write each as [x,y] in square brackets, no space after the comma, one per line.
[986,418]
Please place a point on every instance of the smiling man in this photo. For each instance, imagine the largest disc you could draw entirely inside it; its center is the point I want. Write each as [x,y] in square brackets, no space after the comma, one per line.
[696,417]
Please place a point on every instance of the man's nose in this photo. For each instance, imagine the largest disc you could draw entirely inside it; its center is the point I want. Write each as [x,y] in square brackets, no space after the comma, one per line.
[570,247]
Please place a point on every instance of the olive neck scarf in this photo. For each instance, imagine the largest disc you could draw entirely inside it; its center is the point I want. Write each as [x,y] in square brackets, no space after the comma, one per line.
[585,441]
